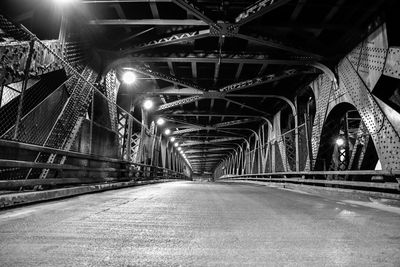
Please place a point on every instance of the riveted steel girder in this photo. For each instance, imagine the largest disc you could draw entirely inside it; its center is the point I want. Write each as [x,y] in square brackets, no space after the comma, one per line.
[262,80]
[179,102]
[235,122]
[211,57]
[173,39]
[165,77]
[128,22]
[236,86]
[258,9]
[212,141]
[191,8]
[194,151]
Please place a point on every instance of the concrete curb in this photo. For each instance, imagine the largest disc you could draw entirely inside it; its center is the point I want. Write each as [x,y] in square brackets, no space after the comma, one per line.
[17,199]
[350,193]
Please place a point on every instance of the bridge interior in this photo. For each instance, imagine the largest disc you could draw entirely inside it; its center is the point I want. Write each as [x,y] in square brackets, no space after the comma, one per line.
[105,94]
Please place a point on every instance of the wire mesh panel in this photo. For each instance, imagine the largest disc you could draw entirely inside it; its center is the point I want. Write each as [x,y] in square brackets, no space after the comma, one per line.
[290,150]
[303,147]
[71,110]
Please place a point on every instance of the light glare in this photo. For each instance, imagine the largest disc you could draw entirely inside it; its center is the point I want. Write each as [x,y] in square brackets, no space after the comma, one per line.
[176,144]
[340,141]
[128,77]
[160,121]
[64,1]
[167,132]
[172,139]
[148,104]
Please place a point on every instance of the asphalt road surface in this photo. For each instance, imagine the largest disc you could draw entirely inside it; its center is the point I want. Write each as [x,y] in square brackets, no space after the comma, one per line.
[199,224]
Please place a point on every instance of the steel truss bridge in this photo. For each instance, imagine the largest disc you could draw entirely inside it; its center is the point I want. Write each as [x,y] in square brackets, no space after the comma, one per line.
[247,91]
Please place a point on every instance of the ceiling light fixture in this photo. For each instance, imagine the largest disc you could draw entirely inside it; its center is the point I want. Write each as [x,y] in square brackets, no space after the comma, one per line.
[148,104]
[160,121]
[129,77]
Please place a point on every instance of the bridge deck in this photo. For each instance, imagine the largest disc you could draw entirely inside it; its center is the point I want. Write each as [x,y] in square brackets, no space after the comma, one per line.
[188,223]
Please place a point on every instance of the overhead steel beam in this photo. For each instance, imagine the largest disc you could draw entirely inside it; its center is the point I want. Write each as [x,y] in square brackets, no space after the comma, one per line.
[180,102]
[165,77]
[191,8]
[207,57]
[205,159]
[262,80]
[258,9]
[140,22]
[211,141]
[236,87]
[133,36]
[206,155]
[207,150]
[239,71]
[246,106]
[200,138]
[173,39]
[211,115]
[299,7]
[273,44]
[121,1]
[235,122]
[121,14]
[194,70]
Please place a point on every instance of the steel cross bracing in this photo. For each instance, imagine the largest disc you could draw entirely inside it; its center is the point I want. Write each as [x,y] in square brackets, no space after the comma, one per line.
[262,80]
[225,29]
[165,77]
[173,39]
[211,141]
[190,7]
[214,126]
[235,87]
[258,9]
[212,57]
[207,150]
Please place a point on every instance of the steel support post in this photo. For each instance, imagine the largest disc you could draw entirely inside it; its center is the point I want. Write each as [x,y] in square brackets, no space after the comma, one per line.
[273,157]
[91,124]
[153,145]
[129,139]
[142,135]
[308,138]
[24,85]
[62,36]
[1,94]
[296,135]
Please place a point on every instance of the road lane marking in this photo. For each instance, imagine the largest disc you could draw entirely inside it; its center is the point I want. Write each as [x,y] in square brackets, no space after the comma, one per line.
[374,205]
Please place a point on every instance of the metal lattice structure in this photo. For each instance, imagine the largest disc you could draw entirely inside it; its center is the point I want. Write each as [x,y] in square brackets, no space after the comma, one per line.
[242,87]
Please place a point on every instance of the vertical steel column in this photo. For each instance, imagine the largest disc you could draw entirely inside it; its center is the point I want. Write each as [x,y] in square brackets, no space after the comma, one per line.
[142,135]
[62,35]
[91,124]
[296,135]
[153,144]
[129,139]
[308,138]
[273,156]
[24,85]
[1,94]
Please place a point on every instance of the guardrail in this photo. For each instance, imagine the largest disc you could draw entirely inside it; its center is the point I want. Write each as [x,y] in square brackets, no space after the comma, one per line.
[81,173]
[292,177]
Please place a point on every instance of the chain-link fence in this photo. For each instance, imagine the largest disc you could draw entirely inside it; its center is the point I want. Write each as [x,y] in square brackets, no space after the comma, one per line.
[56,104]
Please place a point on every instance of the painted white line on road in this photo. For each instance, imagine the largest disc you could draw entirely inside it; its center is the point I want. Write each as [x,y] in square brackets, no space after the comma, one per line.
[374,205]
[296,191]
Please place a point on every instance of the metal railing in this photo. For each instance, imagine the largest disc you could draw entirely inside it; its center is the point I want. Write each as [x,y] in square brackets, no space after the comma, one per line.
[68,123]
[80,168]
[319,178]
